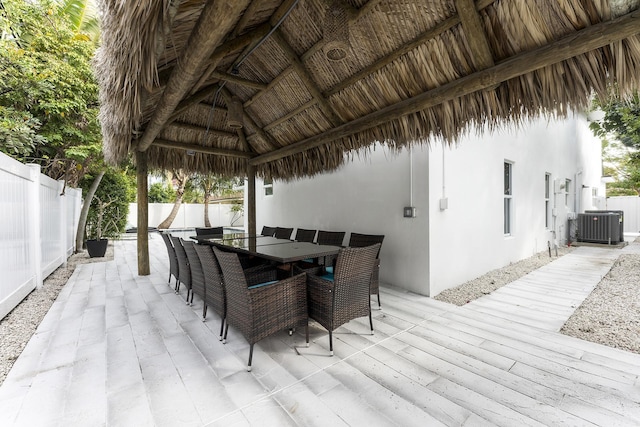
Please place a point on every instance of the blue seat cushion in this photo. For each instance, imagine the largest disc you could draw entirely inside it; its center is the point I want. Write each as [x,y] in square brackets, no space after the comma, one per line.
[328,276]
[329,270]
[259,285]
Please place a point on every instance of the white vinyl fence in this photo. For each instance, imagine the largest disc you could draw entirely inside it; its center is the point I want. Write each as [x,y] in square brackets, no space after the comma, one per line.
[189,216]
[37,231]
[631,207]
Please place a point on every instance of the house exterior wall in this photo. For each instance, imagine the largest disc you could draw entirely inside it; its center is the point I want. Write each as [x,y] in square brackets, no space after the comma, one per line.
[442,248]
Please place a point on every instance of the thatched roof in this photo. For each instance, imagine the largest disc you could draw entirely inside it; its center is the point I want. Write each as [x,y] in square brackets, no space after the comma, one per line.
[413,70]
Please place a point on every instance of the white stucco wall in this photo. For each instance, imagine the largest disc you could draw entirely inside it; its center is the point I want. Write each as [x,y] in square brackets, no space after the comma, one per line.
[440,249]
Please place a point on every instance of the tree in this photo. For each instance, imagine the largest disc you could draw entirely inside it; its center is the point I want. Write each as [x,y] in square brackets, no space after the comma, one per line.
[619,130]
[48,94]
[180,179]
[211,186]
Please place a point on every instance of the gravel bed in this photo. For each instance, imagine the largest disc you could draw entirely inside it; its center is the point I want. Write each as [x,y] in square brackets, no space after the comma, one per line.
[17,327]
[609,316]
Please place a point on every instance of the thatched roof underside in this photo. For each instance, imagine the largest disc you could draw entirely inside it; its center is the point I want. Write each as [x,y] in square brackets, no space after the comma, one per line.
[414,71]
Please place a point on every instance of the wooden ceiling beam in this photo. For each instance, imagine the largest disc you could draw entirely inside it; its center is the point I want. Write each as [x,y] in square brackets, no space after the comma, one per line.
[294,113]
[306,78]
[580,42]
[189,102]
[238,80]
[196,128]
[200,149]
[215,22]
[475,34]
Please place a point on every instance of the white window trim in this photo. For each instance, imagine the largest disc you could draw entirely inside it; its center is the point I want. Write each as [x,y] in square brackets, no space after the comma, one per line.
[508,197]
[548,191]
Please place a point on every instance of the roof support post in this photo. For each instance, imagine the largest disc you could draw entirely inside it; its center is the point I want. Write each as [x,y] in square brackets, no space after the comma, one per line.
[251,199]
[142,169]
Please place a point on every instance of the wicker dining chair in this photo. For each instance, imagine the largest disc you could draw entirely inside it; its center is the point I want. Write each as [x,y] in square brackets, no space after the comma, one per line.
[184,276]
[335,299]
[208,231]
[263,309]
[283,233]
[304,235]
[357,240]
[173,259]
[334,238]
[214,295]
[268,231]
[197,275]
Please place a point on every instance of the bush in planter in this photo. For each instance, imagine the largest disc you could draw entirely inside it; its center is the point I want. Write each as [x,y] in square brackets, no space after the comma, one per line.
[109,207]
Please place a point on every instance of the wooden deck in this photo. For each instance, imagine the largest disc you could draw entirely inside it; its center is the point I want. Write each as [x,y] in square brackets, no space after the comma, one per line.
[119,349]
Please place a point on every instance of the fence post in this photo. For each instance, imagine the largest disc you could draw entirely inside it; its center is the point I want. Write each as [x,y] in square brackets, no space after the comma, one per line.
[34,223]
[62,200]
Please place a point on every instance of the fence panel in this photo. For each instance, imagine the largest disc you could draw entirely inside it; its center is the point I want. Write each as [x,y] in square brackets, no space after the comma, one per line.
[37,229]
[189,216]
[631,207]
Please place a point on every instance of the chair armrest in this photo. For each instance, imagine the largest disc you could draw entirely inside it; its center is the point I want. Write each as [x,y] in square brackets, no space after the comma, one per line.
[320,295]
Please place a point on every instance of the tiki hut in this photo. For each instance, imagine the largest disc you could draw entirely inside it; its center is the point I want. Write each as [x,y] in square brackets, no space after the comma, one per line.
[283,89]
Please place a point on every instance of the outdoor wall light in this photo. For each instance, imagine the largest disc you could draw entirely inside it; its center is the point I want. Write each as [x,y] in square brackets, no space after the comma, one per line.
[336,32]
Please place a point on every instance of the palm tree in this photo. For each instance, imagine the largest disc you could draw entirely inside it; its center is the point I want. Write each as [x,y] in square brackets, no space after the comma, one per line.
[83,16]
[211,185]
[180,178]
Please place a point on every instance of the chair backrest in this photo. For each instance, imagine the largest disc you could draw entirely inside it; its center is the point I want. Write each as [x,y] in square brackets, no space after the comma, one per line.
[207,231]
[173,259]
[183,263]
[283,233]
[197,275]
[352,278]
[214,296]
[303,235]
[357,240]
[238,303]
[268,231]
[334,238]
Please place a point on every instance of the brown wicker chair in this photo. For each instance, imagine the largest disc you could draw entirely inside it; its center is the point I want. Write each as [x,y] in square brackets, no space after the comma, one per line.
[283,233]
[197,275]
[357,240]
[264,309]
[268,231]
[336,299]
[173,259]
[303,235]
[334,238]
[214,295]
[207,231]
[184,272]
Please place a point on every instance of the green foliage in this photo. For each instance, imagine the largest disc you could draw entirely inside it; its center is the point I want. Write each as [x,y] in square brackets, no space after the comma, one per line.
[619,130]
[160,192]
[110,205]
[46,81]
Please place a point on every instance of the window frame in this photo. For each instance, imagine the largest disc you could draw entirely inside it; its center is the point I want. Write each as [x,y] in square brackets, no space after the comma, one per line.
[267,186]
[508,198]
[547,200]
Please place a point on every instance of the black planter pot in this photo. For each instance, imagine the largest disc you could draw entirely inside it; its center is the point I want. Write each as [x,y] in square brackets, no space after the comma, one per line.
[97,248]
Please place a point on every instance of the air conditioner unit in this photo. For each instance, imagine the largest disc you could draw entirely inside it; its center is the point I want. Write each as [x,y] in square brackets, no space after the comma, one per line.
[621,213]
[599,227]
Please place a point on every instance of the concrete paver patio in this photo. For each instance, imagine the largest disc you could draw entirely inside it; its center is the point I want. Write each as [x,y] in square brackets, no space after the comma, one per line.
[118,349]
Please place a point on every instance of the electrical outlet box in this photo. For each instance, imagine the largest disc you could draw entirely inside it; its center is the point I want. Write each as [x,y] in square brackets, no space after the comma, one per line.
[444,203]
[409,212]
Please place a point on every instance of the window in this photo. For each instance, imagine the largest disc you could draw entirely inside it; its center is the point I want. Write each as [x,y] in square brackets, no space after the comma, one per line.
[268,187]
[547,200]
[567,192]
[508,197]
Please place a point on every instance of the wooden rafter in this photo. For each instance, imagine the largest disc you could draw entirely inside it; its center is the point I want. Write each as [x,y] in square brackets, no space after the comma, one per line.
[200,149]
[476,36]
[306,78]
[213,132]
[216,20]
[238,80]
[585,40]
[194,99]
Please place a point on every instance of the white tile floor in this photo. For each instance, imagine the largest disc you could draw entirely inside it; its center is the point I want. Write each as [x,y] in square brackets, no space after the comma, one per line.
[118,349]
